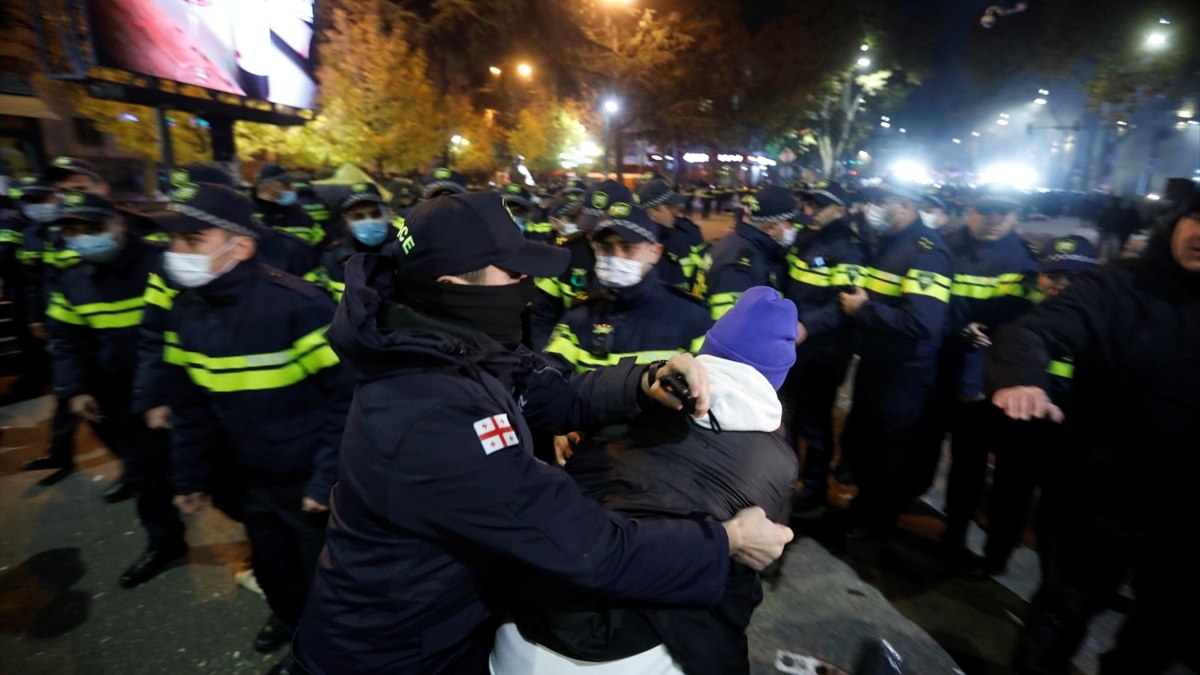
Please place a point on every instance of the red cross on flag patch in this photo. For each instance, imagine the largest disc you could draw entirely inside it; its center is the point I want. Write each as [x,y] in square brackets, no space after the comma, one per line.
[495,433]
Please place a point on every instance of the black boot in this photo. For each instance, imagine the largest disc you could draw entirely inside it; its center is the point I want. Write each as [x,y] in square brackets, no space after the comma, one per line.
[156,559]
[273,635]
[287,666]
[119,491]
[46,462]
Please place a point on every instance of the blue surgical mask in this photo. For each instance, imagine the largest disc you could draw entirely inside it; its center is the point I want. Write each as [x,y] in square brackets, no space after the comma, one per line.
[40,213]
[370,232]
[287,198]
[96,248]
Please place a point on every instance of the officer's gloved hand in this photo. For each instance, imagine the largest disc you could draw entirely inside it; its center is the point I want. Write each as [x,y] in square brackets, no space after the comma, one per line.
[755,541]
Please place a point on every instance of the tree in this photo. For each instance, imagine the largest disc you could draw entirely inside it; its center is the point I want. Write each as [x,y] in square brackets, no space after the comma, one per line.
[833,124]
[543,134]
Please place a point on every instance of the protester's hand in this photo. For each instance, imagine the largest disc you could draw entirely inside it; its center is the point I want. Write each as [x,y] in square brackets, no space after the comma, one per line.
[1027,403]
[853,302]
[86,407]
[38,330]
[190,505]
[754,540]
[974,333]
[697,382]
[803,334]
[159,417]
[310,505]
[564,447]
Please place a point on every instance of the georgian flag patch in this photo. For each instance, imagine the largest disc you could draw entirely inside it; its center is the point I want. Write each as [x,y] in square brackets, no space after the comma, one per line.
[495,433]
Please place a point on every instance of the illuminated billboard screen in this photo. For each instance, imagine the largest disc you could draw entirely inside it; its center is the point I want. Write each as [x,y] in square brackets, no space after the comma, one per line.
[260,49]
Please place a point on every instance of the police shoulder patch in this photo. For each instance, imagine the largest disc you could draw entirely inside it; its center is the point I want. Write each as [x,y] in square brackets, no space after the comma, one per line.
[745,258]
[926,244]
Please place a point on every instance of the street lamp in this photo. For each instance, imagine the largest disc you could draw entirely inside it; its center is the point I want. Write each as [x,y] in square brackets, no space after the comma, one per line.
[1040,101]
[611,107]
[1156,40]
[525,70]
[864,62]
[494,71]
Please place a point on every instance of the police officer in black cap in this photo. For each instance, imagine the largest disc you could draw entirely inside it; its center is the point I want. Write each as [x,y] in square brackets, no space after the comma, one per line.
[438,489]
[532,221]
[755,254]
[276,201]
[324,226]
[828,258]
[264,383]
[631,313]
[558,294]
[95,310]
[442,181]
[681,238]
[367,219]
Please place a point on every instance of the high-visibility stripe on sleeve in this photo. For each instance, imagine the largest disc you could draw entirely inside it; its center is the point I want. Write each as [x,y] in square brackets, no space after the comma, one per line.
[539,228]
[60,309]
[337,289]
[929,284]
[62,259]
[985,288]
[254,372]
[801,271]
[11,237]
[720,303]
[28,257]
[1063,369]
[548,286]
[158,293]
[847,274]
[565,343]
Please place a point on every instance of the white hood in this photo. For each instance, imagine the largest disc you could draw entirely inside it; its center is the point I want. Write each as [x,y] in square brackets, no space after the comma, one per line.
[740,397]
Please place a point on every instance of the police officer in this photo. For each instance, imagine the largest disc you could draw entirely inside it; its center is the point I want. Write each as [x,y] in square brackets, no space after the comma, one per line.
[755,254]
[324,227]
[94,313]
[1133,328]
[1035,456]
[828,257]
[45,258]
[254,372]
[632,314]
[532,220]
[558,294]
[681,238]
[994,282]
[437,485]
[276,201]
[898,316]
[366,217]
[29,205]
[442,181]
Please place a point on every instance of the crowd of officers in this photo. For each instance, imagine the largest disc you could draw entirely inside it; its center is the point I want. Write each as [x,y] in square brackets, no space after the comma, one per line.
[192,341]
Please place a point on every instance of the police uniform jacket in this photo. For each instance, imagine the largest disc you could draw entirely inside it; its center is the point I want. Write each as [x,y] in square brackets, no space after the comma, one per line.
[438,489]
[746,258]
[993,283]
[1132,327]
[254,366]
[292,219]
[648,321]
[908,282]
[558,294]
[680,242]
[823,263]
[286,252]
[94,313]
[331,274]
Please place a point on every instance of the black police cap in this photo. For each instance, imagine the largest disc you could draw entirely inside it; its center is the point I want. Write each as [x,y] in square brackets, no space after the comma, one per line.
[362,192]
[629,222]
[62,167]
[770,204]
[84,206]
[201,206]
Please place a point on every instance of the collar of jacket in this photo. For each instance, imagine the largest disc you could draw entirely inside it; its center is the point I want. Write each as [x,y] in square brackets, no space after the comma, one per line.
[740,397]
[231,286]
[910,231]
[130,252]
[638,293]
[761,240]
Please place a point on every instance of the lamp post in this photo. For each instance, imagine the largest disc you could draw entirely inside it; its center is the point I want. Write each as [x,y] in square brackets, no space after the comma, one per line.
[611,108]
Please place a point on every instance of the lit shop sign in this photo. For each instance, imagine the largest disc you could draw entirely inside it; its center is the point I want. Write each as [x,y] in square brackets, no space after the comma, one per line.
[728,158]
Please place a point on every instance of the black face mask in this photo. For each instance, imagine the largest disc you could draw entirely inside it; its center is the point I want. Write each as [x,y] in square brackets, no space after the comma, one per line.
[492,310]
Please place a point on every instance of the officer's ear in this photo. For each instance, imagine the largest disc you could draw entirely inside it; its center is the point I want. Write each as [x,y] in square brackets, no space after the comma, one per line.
[656,252]
[244,249]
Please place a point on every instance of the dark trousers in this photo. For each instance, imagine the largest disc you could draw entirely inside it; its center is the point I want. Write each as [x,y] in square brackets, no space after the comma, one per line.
[284,542]
[144,454]
[977,429]
[62,434]
[1033,457]
[880,440]
[810,393]
[1093,559]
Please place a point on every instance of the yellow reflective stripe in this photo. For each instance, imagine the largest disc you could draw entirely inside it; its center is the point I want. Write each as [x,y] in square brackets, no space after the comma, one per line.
[882,287]
[565,343]
[881,275]
[60,309]
[61,259]
[548,286]
[539,228]
[254,372]
[983,288]
[1061,369]
[11,237]
[158,293]
[813,276]
[847,274]
[337,289]
[930,284]
[694,348]
[316,235]
[720,303]
[27,257]
[317,212]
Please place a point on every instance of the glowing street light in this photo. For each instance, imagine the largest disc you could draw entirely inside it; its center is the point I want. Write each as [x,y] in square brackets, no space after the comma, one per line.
[956,141]
[864,62]
[494,71]
[864,48]
[611,106]
[1040,101]
[524,70]
[1156,40]
[976,134]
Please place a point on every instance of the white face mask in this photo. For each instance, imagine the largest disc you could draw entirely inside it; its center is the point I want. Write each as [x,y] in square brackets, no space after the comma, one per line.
[566,227]
[789,236]
[875,219]
[192,270]
[617,272]
[929,218]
